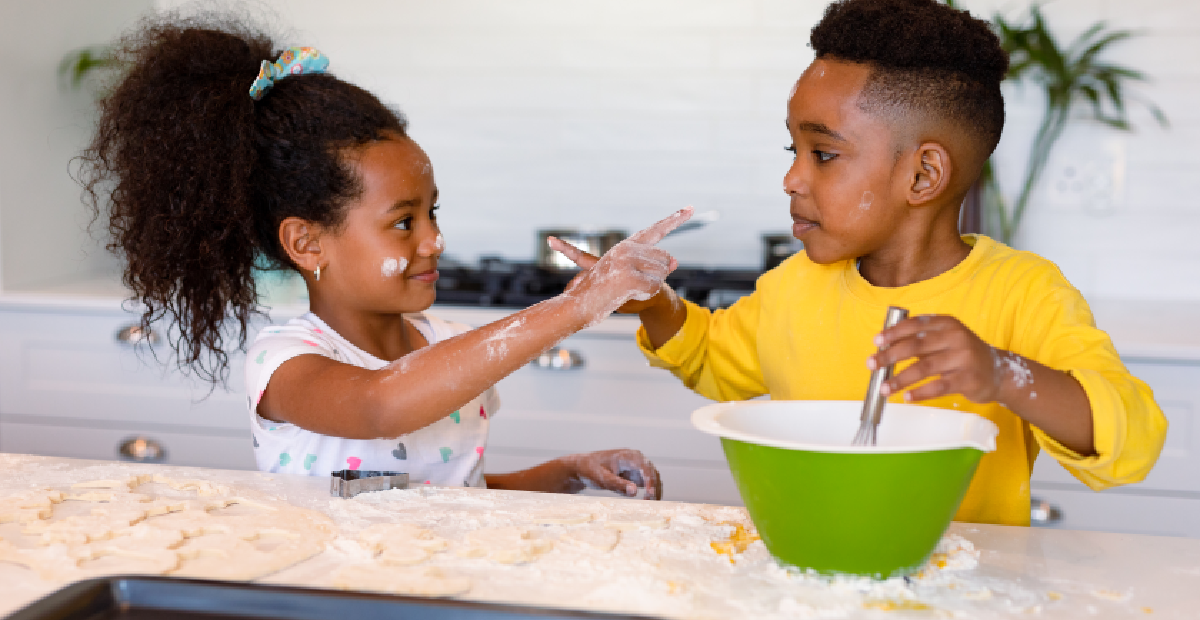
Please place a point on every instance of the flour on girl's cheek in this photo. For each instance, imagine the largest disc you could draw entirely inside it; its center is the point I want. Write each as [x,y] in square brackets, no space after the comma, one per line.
[393,267]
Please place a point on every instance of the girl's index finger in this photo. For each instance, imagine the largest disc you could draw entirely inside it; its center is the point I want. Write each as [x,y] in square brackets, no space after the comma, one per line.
[656,231]
[574,254]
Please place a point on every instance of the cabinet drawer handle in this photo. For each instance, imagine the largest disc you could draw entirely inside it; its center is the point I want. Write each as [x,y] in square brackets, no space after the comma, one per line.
[559,359]
[142,450]
[135,334]
[1042,512]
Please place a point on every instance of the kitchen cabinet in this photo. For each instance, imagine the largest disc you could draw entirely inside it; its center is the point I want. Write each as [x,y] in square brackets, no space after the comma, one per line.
[70,386]
[1168,502]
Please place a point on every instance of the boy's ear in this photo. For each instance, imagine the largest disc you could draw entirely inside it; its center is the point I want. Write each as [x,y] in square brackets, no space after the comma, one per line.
[301,239]
[929,174]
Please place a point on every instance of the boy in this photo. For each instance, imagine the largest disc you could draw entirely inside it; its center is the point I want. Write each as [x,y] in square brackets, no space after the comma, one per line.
[891,124]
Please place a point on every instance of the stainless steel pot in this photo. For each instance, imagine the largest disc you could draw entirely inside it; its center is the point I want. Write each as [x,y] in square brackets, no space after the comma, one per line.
[777,248]
[594,242]
[597,242]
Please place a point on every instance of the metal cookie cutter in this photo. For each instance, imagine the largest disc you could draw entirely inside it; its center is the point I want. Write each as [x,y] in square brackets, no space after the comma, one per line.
[347,483]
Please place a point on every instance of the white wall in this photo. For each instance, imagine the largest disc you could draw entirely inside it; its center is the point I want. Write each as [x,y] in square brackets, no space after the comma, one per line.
[564,112]
[42,126]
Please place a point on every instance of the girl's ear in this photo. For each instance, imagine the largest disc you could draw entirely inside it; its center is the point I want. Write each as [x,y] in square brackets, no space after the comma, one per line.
[929,173]
[301,239]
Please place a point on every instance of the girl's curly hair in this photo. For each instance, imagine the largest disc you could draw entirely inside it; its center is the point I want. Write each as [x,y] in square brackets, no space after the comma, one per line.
[195,177]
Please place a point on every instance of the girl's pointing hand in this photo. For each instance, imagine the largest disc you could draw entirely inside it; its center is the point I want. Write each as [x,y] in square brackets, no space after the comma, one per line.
[629,274]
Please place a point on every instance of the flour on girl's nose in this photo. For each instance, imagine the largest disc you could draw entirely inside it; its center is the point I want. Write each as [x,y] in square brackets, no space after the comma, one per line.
[393,266]
[439,243]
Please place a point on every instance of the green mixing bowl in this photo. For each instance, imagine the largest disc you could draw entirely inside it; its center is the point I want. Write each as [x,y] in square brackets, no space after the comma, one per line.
[821,504]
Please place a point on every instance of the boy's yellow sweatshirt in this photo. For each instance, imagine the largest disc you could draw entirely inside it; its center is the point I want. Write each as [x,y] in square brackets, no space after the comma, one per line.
[807,330]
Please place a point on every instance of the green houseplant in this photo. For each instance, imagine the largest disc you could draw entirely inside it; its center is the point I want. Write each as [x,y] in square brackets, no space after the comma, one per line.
[78,64]
[1069,78]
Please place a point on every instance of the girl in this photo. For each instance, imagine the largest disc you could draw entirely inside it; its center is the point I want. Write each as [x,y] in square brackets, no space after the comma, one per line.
[206,169]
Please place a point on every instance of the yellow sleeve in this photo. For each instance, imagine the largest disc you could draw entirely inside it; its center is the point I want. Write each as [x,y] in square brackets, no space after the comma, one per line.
[1128,426]
[714,353]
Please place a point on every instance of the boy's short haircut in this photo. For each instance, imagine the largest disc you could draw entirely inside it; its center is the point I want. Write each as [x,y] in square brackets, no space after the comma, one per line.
[927,58]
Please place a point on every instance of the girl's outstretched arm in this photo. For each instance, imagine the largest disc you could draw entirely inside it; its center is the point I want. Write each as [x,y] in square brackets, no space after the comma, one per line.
[332,398]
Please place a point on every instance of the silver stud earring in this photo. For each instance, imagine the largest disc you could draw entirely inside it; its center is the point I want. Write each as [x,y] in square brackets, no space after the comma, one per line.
[317,273]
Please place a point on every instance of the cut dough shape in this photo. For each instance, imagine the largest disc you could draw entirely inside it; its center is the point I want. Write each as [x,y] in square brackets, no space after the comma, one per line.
[402,556]
[561,517]
[190,523]
[140,549]
[161,507]
[505,545]
[635,520]
[596,537]
[82,529]
[386,536]
[202,488]
[241,501]
[29,506]
[412,581]
[107,496]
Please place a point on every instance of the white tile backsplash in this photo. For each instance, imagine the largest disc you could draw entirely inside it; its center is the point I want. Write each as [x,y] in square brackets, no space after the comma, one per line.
[569,113]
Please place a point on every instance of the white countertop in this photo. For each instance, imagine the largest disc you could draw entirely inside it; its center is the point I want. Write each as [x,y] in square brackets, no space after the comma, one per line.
[1140,329]
[671,572]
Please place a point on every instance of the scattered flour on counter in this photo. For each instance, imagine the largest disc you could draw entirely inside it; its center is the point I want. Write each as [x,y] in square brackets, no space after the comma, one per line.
[703,562]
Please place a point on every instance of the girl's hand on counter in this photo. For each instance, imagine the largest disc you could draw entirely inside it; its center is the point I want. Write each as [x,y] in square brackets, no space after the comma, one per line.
[620,471]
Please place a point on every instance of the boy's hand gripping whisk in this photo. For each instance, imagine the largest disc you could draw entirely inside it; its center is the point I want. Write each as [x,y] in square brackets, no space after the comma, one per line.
[873,404]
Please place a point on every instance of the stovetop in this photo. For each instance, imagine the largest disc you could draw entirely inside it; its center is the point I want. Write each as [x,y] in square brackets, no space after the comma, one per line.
[509,284]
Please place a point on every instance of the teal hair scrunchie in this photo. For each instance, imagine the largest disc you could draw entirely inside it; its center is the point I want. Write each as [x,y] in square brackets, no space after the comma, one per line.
[293,61]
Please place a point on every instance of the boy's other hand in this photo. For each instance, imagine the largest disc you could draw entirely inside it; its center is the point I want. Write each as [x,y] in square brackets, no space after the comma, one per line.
[620,471]
[951,355]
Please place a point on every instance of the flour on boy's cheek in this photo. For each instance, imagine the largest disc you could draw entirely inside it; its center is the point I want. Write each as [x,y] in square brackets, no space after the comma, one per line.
[864,204]
[393,267]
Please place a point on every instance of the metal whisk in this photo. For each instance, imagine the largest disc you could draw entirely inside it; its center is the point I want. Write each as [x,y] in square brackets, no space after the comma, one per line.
[873,403]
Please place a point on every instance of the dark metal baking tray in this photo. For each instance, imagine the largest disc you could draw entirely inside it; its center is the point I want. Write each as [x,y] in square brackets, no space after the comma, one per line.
[146,598]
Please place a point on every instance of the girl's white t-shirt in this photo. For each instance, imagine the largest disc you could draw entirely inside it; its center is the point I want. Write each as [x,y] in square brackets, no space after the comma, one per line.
[448,452]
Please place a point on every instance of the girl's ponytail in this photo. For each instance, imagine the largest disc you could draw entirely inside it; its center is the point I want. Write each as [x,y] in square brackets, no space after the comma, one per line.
[194,176]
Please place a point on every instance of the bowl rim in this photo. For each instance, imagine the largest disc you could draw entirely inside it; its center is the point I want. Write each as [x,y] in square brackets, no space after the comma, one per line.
[982,435]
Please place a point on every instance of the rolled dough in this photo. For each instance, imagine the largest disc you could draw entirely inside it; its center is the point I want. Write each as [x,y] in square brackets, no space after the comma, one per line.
[410,581]
[187,535]
[635,520]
